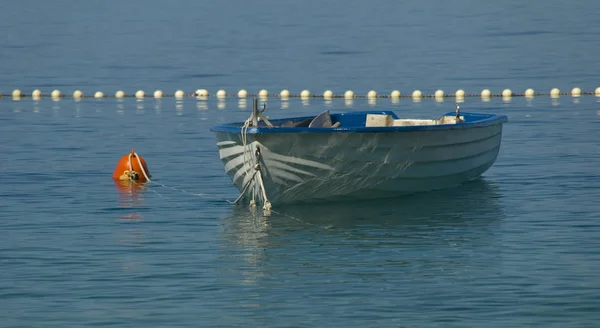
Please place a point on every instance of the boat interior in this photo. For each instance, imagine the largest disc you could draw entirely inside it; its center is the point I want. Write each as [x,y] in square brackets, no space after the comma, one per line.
[362,119]
[368,121]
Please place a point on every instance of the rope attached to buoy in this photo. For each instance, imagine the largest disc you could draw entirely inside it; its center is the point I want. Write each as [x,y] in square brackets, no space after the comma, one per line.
[136,172]
[140,164]
[126,169]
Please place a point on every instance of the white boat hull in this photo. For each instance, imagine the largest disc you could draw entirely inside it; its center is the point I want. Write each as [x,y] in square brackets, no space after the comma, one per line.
[299,167]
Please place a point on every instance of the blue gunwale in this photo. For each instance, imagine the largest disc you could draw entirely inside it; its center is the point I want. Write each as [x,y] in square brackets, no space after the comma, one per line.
[472,120]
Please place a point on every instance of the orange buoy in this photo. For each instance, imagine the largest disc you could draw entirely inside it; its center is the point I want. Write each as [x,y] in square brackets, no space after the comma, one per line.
[132,167]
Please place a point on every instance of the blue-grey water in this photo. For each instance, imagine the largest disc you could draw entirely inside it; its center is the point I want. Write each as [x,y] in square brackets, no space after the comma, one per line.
[519,247]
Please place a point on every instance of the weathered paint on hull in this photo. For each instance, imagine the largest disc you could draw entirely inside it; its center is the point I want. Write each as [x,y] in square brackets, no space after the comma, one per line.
[300,167]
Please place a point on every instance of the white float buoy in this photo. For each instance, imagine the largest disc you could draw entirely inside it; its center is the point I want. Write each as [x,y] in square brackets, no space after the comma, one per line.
[485,93]
[242,93]
[349,94]
[36,94]
[201,93]
[140,94]
[158,94]
[576,92]
[439,96]
[77,94]
[597,92]
[17,93]
[179,94]
[529,93]
[395,94]
[460,93]
[99,94]
[328,94]
[506,93]
[372,94]
[284,94]
[305,94]
[263,93]
[120,94]
[555,92]
[417,94]
[55,94]
[220,94]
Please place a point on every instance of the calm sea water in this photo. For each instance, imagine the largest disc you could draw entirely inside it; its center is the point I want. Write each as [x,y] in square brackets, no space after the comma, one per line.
[518,247]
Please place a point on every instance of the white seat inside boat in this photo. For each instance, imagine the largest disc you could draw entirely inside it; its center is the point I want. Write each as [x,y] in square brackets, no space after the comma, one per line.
[414,122]
[451,120]
[380,120]
[377,120]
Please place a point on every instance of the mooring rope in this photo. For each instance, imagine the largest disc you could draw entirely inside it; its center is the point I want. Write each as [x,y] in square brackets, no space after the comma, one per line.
[133,178]
[257,168]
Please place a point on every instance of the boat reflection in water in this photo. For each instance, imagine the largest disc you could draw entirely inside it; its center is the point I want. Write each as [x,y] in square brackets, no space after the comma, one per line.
[475,202]
[439,229]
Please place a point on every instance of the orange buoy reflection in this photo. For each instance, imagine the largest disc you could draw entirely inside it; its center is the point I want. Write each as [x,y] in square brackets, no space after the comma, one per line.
[130,193]
[131,197]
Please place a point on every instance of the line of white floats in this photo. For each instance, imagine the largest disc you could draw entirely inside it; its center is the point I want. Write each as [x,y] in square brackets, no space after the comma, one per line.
[305,94]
